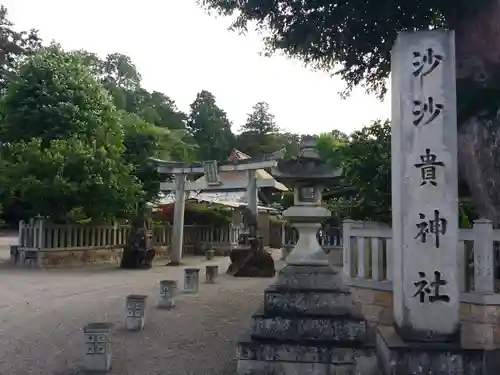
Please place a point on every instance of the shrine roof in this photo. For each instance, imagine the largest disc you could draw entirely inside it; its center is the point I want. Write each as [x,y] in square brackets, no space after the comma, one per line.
[237,155]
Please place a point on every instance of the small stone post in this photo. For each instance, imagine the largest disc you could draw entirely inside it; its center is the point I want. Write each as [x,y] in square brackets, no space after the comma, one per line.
[209,252]
[97,347]
[168,289]
[191,280]
[135,312]
[211,273]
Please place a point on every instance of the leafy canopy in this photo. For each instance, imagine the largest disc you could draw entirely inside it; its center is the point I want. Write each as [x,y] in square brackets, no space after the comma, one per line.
[365,158]
[353,38]
[62,142]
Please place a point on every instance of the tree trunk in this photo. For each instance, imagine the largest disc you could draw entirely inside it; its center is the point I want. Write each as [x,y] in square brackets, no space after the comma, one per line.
[478,62]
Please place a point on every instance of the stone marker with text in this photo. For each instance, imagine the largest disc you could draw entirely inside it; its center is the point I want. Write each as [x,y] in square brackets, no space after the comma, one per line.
[425,186]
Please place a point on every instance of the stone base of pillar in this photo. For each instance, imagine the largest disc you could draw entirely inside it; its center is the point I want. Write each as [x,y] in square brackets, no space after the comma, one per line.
[308,324]
[397,356]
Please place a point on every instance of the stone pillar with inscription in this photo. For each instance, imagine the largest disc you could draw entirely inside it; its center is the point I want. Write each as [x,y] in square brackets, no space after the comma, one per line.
[425,186]
[425,338]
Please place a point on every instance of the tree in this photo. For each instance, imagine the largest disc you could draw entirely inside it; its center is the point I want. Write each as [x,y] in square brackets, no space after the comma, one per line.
[260,135]
[62,143]
[210,128]
[144,141]
[365,158]
[357,35]
[55,97]
[14,47]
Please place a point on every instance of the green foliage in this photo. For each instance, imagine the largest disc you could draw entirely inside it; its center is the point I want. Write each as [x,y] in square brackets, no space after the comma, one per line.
[331,146]
[355,35]
[68,175]
[210,128]
[15,46]
[56,97]
[62,142]
[366,162]
[260,135]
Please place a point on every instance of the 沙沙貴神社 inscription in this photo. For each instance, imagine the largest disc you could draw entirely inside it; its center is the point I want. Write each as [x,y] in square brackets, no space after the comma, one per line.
[433,110]
[425,63]
[435,227]
[425,186]
[432,289]
[427,167]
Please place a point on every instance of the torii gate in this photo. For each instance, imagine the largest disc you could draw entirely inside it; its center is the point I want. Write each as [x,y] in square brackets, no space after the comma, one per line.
[211,170]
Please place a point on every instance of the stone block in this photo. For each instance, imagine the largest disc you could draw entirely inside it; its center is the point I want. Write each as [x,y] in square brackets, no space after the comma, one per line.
[363,295]
[465,311]
[348,329]
[250,367]
[97,347]
[309,277]
[496,336]
[135,312]
[168,290]
[396,356]
[383,298]
[377,314]
[300,301]
[191,280]
[479,335]
[211,273]
[485,314]
[294,352]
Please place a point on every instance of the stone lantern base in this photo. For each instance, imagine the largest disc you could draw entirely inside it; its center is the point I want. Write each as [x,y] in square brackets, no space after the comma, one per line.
[308,325]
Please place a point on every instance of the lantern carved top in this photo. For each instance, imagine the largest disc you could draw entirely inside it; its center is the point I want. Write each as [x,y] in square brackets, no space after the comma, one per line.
[307,167]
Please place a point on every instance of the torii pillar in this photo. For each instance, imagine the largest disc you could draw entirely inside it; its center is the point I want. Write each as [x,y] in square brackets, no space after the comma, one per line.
[212,183]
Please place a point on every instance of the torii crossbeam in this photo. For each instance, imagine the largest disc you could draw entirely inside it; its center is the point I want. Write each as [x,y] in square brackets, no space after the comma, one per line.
[212,182]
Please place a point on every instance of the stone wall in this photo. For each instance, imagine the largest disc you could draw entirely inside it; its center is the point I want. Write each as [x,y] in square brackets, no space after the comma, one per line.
[480,324]
[75,258]
[376,305]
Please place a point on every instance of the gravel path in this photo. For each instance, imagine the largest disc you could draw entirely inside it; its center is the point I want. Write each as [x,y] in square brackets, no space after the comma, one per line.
[42,314]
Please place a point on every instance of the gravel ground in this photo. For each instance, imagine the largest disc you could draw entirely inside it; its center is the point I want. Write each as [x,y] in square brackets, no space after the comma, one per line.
[42,314]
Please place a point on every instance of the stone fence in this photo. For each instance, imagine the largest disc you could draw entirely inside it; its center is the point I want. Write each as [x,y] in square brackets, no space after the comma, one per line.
[52,244]
[367,256]
[44,236]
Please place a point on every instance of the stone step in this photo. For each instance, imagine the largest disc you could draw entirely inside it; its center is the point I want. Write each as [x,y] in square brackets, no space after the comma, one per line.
[250,367]
[308,277]
[288,351]
[348,328]
[325,302]
[281,357]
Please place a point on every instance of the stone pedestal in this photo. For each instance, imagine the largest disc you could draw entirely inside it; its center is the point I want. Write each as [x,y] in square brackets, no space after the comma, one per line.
[308,325]
[135,312]
[168,289]
[97,347]
[211,273]
[397,356]
[191,280]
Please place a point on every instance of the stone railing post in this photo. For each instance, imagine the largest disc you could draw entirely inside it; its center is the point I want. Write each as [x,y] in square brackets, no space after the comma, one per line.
[21,237]
[346,247]
[40,238]
[483,256]
[115,233]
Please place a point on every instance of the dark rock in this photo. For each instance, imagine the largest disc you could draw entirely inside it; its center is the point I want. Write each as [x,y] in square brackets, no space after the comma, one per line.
[251,263]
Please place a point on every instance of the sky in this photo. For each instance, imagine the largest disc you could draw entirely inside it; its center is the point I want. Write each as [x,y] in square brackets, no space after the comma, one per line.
[180,50]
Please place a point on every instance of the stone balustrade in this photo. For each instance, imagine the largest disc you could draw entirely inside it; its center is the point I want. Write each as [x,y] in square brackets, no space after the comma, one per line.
[367,256]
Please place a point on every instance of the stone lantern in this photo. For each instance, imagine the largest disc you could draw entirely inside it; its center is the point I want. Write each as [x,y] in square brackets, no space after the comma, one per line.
[308,323]
[307,174]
